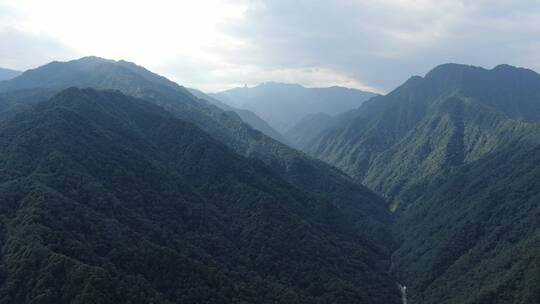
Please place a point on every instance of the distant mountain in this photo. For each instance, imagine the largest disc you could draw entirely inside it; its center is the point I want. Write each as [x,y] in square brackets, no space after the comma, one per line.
[365,210]
[309,128]
[247,116]
[284,105]
[455,152]
[111,199]
[6,74]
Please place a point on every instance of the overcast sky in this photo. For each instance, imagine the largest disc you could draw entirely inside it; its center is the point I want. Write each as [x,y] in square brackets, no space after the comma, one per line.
[214,45]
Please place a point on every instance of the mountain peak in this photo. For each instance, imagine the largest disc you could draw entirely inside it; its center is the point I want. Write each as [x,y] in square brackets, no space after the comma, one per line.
[85,61]
[451,69]
[456,68]
[92,58]
[507,68]
[90,71]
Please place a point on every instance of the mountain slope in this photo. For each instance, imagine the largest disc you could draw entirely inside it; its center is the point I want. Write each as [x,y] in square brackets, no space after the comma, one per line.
[6,74]
[457,154]
[367,210]
[13,102]
[111,199]
[247,116]
[474,236]
[454,115]
[284,105]
[308,128]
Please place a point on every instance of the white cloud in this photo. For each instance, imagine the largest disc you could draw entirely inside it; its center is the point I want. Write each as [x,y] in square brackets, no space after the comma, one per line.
[383,42]
[22,50]
[215,44]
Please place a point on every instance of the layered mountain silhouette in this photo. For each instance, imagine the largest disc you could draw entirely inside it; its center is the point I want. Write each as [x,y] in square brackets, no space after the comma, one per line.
[247,116]
[455,153]
[150,194]
[284,105]
[121,186]
[6,74]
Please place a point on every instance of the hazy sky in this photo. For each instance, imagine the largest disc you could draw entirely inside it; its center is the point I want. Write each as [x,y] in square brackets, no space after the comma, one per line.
[213,45]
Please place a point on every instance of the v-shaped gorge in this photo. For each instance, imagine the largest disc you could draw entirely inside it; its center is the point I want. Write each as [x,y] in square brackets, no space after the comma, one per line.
[456,153]
[192,192]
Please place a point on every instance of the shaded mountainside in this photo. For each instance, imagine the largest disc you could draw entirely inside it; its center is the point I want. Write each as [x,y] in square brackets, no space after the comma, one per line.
[247,116]
[111,199]
[309,128]
[457,154]
[366,209]
[6,74]
[474,235]
[454,115]
[13,102]
[284,105]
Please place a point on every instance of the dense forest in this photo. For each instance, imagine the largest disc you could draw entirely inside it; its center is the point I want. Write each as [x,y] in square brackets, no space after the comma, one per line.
[111,199]
[455,153]
[120,186]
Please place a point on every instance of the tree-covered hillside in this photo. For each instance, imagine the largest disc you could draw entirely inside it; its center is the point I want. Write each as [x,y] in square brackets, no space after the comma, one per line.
[473,236]
[111,199]
[362,206]
[454,115]
[457,154]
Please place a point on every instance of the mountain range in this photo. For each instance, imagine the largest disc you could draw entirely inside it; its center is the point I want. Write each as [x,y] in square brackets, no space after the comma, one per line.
[121,186]
[455,153]
[283,105]
[294,166]
[136,191]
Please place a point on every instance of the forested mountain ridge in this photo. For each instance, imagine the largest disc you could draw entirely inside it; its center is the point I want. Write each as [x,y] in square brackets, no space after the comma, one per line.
[242,218]
[365,208]
[112,199]
[283,105]
[449,117]
[457,153]
[13,102]
[473,236]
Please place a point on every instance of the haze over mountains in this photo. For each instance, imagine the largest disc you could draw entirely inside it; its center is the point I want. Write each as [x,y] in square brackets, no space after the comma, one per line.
[6,74]
[121,186]
[247,116]
[284,105]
